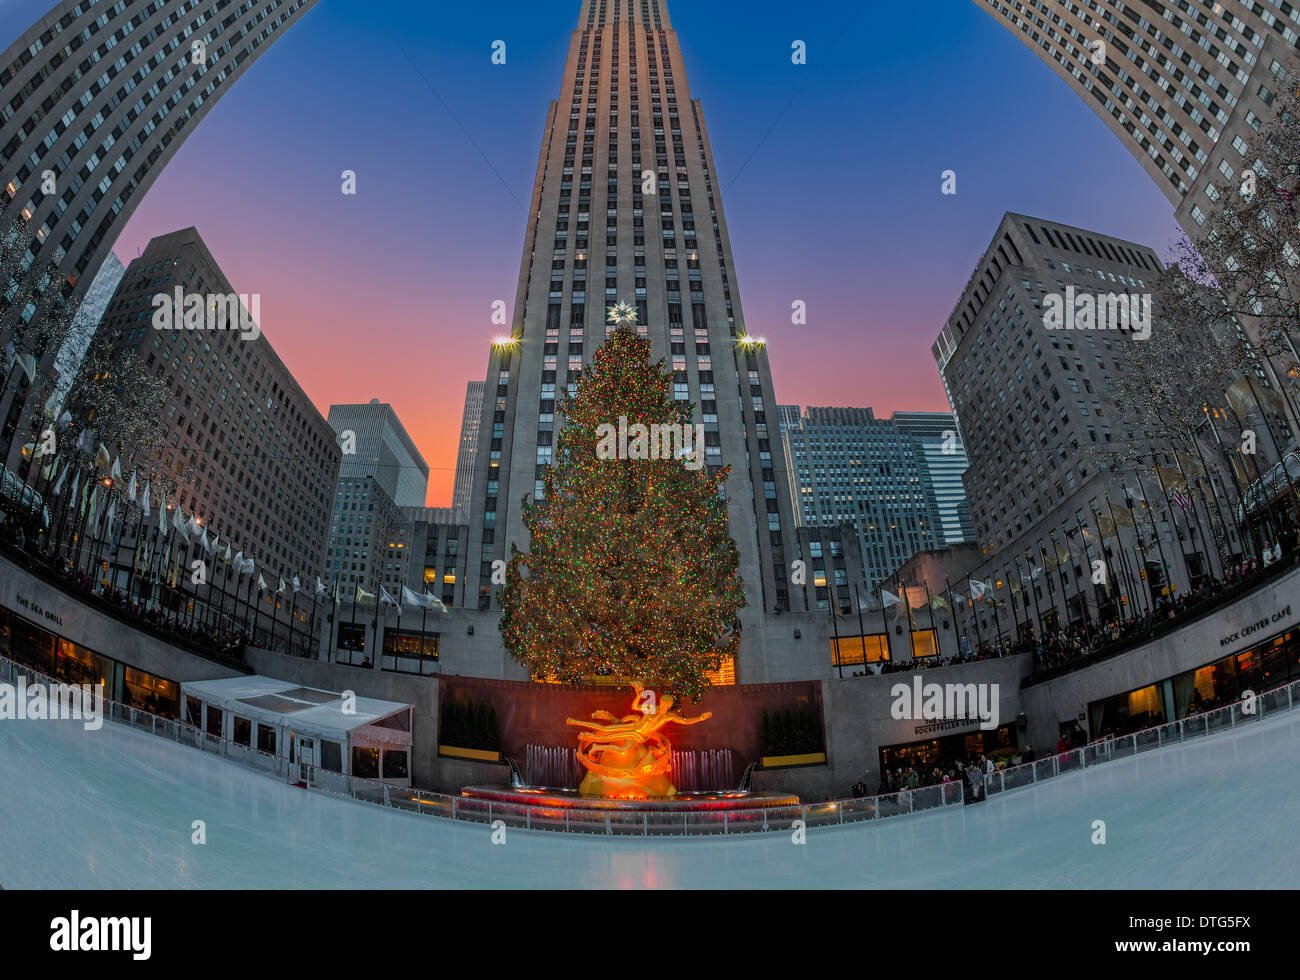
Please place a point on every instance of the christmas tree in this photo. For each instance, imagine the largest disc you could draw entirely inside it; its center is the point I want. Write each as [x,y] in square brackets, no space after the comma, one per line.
[631,571]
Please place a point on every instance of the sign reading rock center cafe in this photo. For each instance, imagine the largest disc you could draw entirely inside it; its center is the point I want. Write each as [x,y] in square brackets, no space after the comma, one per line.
[1282,615]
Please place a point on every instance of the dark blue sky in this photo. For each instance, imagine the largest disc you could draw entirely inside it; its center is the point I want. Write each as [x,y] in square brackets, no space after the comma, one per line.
[830,176]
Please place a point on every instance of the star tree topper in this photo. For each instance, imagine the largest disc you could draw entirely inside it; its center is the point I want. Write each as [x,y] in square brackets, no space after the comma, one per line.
[622,314]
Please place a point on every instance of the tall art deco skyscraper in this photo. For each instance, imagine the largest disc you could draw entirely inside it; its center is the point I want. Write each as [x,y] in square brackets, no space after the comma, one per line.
[626,206]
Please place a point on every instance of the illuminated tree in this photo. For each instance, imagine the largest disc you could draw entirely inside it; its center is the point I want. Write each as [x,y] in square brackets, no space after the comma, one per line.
[631,572]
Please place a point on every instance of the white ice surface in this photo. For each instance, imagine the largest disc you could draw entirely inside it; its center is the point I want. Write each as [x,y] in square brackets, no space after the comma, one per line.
[114,808]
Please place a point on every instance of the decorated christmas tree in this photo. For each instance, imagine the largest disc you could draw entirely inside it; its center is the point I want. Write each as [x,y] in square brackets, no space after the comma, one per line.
[631,571]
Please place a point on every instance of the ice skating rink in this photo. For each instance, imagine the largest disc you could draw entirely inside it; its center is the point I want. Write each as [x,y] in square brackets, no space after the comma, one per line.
[114,809]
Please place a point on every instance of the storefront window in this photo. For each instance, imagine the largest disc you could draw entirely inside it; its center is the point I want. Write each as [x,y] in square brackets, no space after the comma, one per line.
[266,739]
[924,644]
[214,721]
[851,649]
[331,756]
[395,764]
[243,731]
[365,762]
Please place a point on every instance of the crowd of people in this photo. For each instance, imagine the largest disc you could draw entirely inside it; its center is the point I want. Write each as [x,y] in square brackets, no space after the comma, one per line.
[1078,641]
[973,773]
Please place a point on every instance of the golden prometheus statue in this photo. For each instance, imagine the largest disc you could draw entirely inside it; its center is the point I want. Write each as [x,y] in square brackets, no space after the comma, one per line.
[630,758]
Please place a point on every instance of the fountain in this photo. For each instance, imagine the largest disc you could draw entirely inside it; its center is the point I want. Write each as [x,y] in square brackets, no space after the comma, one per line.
[630,764]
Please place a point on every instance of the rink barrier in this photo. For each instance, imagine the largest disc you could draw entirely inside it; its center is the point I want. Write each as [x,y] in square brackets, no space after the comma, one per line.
[658,823]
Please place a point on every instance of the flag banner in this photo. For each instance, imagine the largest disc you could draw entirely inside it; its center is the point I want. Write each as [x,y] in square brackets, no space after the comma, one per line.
[1182,500]
[386,599]
[1105,526]
[889,598]
[916,596]
[102,459]
[1170,479]
[938,602]
[116,472]
[261,583]
[282,588]
[1189,464]
[419,601]
[144,501]
[363,597]
[63,476]
[320,587]
[130,488]
[1123,518]
[296,584]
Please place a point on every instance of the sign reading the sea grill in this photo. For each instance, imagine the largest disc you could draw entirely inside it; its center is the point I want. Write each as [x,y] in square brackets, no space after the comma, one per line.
[1280,616]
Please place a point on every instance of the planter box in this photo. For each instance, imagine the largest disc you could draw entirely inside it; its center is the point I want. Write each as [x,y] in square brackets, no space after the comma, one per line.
[478,755]
[785,761]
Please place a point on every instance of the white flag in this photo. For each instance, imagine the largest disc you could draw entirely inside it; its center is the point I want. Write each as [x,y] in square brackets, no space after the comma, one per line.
[320,587]
[280,590]
[130,488]
[296,584]
[364,597]
[261,583]
[144,501]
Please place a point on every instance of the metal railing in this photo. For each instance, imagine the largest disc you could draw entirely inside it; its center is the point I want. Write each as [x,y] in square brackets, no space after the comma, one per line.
[689,823]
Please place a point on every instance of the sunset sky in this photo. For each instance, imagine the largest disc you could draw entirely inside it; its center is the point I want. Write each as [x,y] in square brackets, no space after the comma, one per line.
[830,175]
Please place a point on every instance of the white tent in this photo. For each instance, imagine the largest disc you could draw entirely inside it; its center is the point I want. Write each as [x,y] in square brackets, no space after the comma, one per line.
[326,738]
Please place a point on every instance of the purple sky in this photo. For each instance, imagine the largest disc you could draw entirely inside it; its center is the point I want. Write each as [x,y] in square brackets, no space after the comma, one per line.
[830,175]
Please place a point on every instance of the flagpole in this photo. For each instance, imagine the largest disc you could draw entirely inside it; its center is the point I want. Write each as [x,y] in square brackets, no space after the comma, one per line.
[970,597]
[1218,503]
[1206,541]
[1155,530]
[1087,560]
[1033,594]
[293,609]
[933,629]
[1060,575]
[952,611]
[839,657]
[862,630]
[1173,523]
[311,633]
[1125,572]
[1241,490]
[907,613]
[1011,600]
[1138,543]
[1247,544]
[880,596]
[334,621]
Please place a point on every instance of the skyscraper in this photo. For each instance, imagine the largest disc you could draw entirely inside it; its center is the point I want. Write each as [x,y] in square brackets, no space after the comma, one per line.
[380,449]
[945,457]
[1037,410]
[96,300]
[260,462]
[95,99]
[850,467]
[626,207]
[83,135]
[1184,86]
[468,449]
